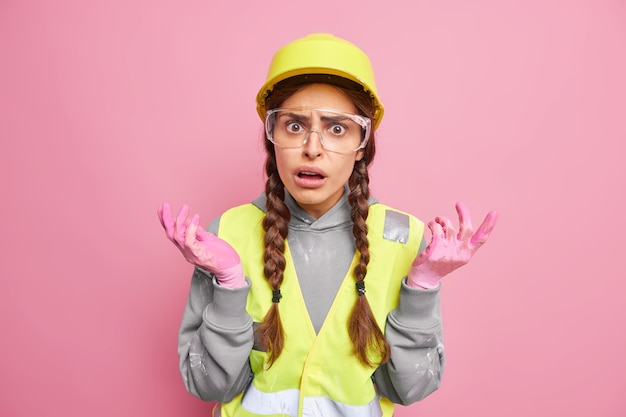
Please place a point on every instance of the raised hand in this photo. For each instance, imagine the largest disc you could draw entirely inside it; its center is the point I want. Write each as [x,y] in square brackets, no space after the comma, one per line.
[449,250]
[200,247]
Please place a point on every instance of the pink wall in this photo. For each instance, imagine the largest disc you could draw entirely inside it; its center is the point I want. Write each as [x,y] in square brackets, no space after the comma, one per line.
[109,108]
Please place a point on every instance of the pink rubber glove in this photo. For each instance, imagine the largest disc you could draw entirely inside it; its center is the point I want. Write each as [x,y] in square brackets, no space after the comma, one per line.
[201,248]
[448,250]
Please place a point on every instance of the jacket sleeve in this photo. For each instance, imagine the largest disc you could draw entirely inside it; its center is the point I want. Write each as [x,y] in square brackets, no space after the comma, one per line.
[215,339]
[414,333]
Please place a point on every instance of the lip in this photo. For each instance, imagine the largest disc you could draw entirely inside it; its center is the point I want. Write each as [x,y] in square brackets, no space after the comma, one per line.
[309,177]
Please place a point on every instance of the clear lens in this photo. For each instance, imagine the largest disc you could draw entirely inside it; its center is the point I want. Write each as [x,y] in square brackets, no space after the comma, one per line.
[338,131]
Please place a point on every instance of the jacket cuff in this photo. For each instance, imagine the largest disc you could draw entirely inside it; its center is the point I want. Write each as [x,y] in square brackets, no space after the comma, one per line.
[418,308]
[228,309]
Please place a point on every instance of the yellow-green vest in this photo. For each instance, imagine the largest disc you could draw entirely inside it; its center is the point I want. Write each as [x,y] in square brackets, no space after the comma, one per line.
[318,375]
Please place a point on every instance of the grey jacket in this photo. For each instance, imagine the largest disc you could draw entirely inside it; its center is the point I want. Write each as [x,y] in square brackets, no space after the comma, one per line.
[216,333]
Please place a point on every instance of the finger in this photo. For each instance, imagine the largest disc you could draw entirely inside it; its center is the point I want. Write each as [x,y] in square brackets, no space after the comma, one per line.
[465,221]
[203,236]
[190,235]
[437,229]
[160,215]
[167,220]
[449,232]
[481,235]
[181,224]
[437,234]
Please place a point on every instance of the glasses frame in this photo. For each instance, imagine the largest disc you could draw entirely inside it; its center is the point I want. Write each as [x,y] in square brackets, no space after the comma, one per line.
[363,121]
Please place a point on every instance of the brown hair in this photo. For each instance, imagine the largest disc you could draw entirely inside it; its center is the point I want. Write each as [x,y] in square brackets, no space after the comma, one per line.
[367,338]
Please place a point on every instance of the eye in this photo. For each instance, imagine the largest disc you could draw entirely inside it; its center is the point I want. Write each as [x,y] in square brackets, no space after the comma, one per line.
[294,127]
[338,130]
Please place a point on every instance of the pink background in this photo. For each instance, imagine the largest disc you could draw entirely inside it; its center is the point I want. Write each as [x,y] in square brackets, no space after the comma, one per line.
[108,108]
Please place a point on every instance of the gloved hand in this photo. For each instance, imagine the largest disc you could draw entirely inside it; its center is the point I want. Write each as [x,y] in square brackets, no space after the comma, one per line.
[201,248]
[448,250]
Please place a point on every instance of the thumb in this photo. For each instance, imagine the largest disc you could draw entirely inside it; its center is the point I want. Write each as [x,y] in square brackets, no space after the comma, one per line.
[482,234]
[204,236]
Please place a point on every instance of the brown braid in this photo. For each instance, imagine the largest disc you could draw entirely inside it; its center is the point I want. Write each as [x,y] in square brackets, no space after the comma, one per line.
[275,223]
[366,335]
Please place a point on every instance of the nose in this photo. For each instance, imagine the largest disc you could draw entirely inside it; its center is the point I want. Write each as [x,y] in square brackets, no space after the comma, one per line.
[313,145]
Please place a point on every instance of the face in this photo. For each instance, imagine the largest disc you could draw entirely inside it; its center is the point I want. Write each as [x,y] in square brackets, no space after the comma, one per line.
[314,176]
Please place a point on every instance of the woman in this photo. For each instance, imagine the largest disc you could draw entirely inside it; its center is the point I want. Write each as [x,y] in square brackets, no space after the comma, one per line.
[315,299]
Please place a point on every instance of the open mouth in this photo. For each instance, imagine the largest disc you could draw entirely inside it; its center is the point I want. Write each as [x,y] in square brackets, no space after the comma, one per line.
[310,175]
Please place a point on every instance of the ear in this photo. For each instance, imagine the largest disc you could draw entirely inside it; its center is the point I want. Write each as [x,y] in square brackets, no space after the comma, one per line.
[359,155]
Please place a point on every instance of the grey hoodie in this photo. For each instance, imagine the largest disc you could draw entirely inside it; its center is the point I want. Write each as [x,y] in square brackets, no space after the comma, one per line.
[216,334]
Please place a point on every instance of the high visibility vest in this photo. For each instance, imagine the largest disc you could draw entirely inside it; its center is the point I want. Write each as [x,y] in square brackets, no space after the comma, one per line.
[318,375]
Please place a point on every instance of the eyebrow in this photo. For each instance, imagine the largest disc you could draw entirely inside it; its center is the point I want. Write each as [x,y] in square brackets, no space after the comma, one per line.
[323,118]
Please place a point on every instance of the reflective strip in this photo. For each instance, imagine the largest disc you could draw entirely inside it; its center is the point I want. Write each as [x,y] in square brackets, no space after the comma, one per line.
[397,226]
[286,402]
[323,406]
[268,403]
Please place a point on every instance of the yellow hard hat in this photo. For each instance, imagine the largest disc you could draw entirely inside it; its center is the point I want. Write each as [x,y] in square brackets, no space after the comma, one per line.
[321,53]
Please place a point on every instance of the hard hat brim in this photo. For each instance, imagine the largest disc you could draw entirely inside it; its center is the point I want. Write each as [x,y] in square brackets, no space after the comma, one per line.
[321,54]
